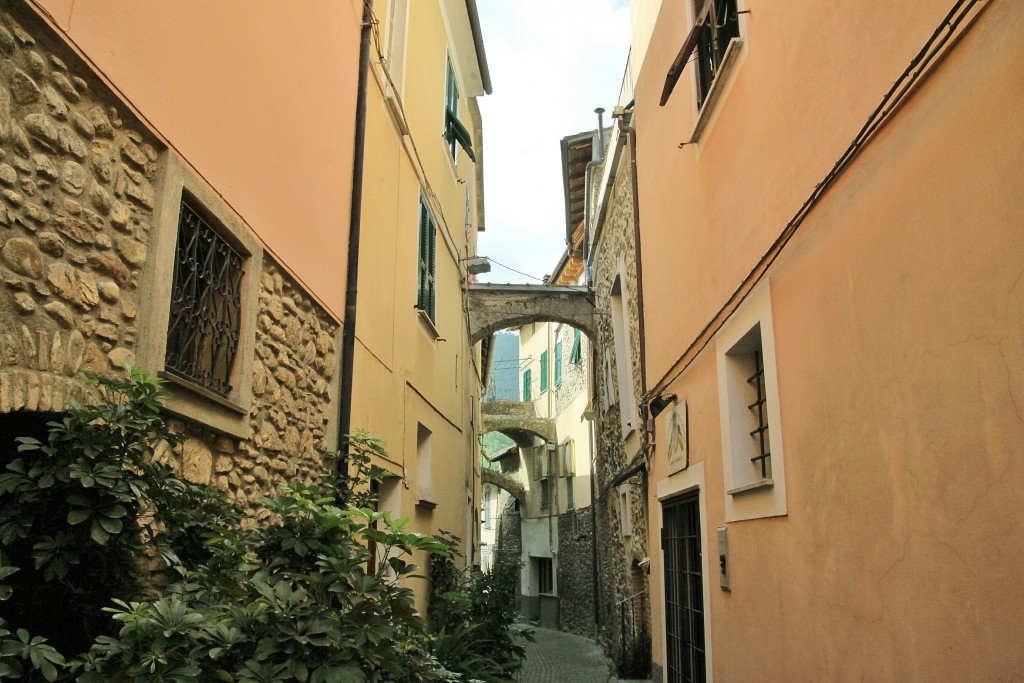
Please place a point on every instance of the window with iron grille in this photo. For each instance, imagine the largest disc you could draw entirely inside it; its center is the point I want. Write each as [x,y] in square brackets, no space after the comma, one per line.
[752,456]
[206,304]
[425,294]
[762,453]
[752,439]
[717,24]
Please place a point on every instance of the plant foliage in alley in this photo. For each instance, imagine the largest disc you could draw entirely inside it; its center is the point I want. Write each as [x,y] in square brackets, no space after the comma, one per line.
[115,569]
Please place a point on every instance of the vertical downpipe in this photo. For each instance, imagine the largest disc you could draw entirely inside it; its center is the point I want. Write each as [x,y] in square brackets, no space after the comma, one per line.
[348,334]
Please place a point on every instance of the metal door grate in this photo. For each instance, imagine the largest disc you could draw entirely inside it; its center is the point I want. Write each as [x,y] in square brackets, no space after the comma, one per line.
[684,590]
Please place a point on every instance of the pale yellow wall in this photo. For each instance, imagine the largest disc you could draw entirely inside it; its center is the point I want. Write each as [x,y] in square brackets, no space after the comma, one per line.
[405,375]
[258,97]
[898,312]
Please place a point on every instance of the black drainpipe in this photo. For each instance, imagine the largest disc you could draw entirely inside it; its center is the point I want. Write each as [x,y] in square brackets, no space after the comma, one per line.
[348,333]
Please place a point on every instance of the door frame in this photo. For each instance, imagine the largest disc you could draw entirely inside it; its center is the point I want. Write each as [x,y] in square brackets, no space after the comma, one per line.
[687,481]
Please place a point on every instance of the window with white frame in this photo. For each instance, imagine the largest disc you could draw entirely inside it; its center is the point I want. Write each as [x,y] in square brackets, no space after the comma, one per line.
[717,24]
[749,408]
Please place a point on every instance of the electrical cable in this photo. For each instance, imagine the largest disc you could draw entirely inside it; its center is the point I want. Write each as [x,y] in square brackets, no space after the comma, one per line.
[892,99]
[499,263]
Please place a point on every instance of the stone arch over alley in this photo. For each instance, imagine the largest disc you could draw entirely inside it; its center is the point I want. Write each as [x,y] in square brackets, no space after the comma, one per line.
[495,307]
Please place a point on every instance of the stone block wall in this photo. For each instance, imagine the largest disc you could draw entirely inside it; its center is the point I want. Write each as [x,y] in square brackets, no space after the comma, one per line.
[76,203]
[576,571]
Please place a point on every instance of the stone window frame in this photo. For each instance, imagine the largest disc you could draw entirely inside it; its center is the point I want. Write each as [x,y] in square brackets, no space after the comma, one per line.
[228,414]
[748,496]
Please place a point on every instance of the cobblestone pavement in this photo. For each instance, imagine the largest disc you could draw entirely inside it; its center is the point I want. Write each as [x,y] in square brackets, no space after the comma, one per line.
[558,657]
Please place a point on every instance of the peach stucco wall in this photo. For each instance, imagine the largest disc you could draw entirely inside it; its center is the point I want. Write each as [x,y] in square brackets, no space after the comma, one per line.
[898,313]
[258,96]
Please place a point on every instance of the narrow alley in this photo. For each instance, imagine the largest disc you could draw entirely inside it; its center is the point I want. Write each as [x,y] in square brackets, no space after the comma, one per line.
[559,657]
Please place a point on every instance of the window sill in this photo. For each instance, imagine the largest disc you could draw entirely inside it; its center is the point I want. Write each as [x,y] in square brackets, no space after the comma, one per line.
[202,391]
[753,486]
[428,323]
[711,102]
[425,504]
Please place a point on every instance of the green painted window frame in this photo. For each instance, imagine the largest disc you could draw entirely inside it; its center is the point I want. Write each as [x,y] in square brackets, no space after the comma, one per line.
[526,384]
[543,372]
[456,134]
[576,355]
[426,293]
[558,363]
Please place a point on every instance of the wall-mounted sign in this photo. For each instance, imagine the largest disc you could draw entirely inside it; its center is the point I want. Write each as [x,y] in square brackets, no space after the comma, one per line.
[677,439]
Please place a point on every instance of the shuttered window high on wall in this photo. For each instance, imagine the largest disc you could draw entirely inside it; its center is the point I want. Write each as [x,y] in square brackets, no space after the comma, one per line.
[544,372]
[425,296]
[558,364]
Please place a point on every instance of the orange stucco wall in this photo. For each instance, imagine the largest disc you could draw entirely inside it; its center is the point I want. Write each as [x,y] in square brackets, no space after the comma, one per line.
[258,96]
[898,313]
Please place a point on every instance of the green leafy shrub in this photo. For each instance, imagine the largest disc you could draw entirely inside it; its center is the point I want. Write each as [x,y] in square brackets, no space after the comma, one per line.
[88,516]
[473,617]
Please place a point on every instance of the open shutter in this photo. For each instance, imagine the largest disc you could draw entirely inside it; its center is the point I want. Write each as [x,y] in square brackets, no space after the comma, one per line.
[558,364]
[544,372]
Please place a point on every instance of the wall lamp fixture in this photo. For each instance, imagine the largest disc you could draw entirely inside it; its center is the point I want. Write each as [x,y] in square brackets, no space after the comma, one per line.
[477,264]
[660,402]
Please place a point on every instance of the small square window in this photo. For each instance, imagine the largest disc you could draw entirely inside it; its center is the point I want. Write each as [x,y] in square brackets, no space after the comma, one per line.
[749,407]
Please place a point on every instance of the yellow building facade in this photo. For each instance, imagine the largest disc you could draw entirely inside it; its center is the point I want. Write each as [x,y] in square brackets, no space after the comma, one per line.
[416,377]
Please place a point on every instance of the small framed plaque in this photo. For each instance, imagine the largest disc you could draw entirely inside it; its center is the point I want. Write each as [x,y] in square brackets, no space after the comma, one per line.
[677,438]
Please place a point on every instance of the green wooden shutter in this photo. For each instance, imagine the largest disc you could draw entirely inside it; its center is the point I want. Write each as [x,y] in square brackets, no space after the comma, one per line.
[558,364]
[526,385]
[544,372]
[576,355]
[426,261]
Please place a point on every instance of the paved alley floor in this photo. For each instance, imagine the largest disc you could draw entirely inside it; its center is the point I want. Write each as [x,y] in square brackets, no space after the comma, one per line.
[558,657]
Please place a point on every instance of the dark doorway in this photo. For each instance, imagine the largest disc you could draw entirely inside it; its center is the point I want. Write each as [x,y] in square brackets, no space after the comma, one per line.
[684,589]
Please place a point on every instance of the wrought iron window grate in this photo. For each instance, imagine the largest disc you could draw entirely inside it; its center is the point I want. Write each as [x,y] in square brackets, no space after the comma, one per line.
[763,458]
[205,321]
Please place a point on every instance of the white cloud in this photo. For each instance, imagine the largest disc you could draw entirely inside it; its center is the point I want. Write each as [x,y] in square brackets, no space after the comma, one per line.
[551,62]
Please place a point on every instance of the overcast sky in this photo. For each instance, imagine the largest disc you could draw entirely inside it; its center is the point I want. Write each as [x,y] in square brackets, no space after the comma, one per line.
[552,62]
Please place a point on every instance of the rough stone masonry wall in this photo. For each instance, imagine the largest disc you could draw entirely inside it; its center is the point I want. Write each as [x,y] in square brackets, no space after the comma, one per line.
[618,555]
[76,210]
[76,202]
[509,545]
[291,383]
[574,375]
[576,572]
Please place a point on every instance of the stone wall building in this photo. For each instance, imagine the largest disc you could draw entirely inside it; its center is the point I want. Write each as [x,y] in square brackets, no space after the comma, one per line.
[598,169]
[116,249]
